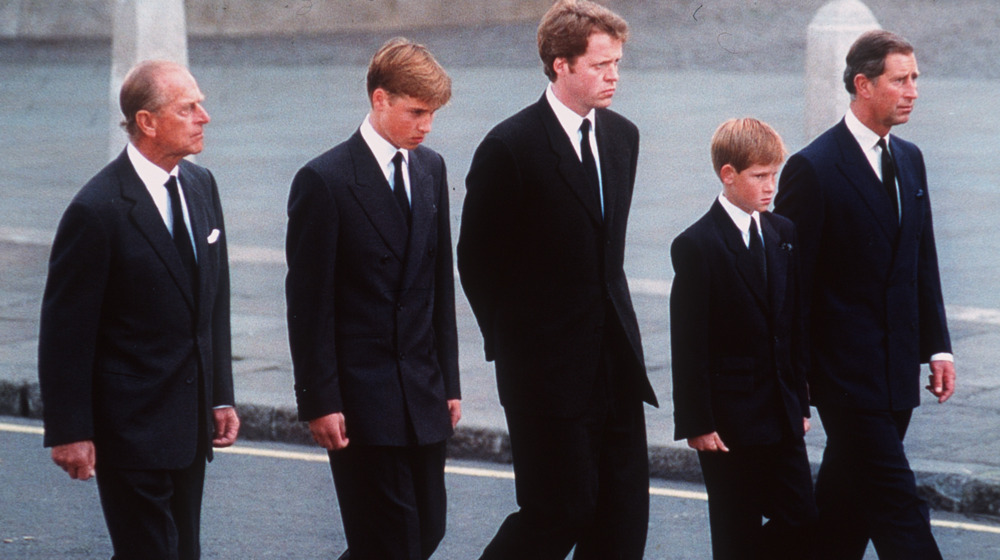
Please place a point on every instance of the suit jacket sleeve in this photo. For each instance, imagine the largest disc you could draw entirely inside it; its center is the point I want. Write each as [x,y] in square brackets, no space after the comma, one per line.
[445,328]
[311,250]
[70,319]
[690,299]
[483,245]
[222,349]
[934,337]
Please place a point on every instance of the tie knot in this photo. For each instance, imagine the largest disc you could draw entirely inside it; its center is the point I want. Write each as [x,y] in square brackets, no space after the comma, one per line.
[882,144]
[585,127]
[397,159]
[171,184]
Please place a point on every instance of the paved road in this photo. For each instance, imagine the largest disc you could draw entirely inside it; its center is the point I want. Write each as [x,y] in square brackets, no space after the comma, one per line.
[272,501]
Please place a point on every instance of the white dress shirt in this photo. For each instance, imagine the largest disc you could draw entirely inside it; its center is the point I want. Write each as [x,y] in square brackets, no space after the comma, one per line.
[155,179]
[742,219]
[868,141]
[384,152]
[571,122]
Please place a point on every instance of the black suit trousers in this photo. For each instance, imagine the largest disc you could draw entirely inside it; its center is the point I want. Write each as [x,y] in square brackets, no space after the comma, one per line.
[153,514]
[866,490]
[392,499]
[580,481]
[749,483]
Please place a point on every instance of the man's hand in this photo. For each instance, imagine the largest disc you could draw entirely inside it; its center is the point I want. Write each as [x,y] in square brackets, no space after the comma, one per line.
[806,425]
[942,380]
[455,409]
[330,431]
[227,425]
[708,442]
[78,459]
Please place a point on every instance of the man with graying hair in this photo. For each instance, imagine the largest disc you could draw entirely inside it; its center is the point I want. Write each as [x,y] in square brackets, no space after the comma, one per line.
[860,201]
[134,356]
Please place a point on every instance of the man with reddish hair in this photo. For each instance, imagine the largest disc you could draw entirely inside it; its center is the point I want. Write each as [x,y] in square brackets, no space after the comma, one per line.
[541,254]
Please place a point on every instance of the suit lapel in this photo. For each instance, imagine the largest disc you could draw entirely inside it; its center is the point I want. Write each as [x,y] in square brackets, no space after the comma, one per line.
[733,239]
[614,167]
[777,264]
[373,193]
[148,221]
[569,165]
[198,204]
[424,214]
[859,173]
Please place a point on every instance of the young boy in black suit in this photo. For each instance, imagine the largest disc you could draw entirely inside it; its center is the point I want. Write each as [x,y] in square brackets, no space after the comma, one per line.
[740,394]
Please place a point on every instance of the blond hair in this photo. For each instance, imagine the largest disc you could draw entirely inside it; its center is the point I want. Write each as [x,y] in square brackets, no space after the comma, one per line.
[402,67]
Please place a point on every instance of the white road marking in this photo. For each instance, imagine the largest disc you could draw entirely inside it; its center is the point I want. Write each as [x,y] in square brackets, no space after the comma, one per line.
[315,457]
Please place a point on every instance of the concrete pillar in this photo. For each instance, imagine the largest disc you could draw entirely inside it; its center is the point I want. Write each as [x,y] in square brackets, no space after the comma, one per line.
[830,35]
[142,30]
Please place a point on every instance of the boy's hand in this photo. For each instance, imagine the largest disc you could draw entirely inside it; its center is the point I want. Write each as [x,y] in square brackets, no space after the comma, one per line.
[708,442]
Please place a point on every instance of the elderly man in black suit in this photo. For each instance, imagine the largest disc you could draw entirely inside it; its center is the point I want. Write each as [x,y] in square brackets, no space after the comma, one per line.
[541,254]
[371,311]
[860,200]
[134,351]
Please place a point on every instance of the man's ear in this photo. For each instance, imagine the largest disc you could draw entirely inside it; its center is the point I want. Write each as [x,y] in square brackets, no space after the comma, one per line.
[561,66]
[863,85]
[146,121]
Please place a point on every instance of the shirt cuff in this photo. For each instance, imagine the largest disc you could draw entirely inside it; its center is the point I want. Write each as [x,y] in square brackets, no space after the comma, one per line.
[943,357]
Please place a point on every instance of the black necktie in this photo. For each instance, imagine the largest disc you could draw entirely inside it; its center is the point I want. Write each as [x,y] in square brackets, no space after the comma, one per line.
[182,240]
[889,176]
[757,251]
[399,188]
[589,163]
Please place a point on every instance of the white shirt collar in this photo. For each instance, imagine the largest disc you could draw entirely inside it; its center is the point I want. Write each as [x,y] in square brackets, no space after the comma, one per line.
[381,148]
[867,139]
[568,118]
[151,174]
[741,218]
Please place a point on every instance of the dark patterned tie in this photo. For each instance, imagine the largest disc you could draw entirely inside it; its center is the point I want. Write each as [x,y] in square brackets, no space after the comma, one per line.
[589,163]
[757,251]
[182,239]
[399,188]
[889,176]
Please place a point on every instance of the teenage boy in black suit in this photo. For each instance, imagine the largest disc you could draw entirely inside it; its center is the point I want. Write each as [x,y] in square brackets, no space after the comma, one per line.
[371,311]
[740,394]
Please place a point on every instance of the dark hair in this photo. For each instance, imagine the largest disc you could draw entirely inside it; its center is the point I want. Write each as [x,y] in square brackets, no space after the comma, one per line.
[402,67]
[566,28]
[867,55]
[142,91]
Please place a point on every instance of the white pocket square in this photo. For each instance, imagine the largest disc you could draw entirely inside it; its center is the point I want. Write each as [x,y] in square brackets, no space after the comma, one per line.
[214,236]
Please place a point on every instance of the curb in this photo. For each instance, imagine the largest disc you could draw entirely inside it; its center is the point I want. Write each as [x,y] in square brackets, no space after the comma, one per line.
[952,491]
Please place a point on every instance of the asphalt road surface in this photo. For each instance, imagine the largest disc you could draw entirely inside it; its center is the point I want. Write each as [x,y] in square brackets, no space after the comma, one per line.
[273,501]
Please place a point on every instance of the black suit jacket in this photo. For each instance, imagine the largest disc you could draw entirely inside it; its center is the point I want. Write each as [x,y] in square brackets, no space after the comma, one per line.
[124,341]
[737,344]
[873,292]
[371,310]
[542,270]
